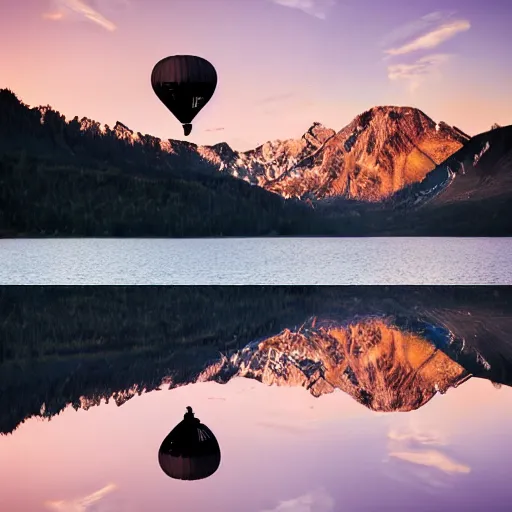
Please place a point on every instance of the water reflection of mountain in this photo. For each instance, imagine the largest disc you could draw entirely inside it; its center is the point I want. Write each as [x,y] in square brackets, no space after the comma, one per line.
[391,348]
[381,366]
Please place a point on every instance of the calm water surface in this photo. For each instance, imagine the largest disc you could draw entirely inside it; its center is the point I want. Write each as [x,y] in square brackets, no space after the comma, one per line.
[336,261]
[282,451]
[395,399]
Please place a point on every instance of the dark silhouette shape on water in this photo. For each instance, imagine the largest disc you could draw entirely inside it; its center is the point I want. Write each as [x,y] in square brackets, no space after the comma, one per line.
[184,84]
[190,451]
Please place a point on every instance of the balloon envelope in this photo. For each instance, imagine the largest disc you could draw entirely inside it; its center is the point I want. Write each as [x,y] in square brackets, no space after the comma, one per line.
[184,84]
[190,451]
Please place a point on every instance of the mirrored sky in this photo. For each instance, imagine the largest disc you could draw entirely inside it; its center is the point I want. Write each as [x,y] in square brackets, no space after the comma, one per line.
[282,450]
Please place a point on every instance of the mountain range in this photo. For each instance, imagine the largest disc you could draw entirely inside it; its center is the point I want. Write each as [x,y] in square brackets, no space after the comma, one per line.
[380,152]
[355,181]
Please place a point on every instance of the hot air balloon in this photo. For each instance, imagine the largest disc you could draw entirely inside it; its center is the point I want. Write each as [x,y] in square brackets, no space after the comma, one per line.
[190,451]
[184,84]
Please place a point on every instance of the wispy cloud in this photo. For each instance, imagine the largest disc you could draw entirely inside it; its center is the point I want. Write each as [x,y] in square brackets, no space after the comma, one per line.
[433,38]
[417,27]
[426,33]
[219,129]
[315,501]
[415,436]
[53,16]
[82,9]
[416,73]
[416,447]
[434,459]
[82,504]
[316,8]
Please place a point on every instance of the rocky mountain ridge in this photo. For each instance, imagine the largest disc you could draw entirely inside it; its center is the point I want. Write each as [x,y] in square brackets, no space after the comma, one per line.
[380,152]
[478,171]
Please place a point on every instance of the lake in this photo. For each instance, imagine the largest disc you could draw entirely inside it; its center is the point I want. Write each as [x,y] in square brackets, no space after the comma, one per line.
[324,400]
[282,451]
[245,261]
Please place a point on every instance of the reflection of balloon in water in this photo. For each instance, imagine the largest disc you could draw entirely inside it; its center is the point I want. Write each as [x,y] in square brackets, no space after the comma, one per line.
[190,451]
[184,84]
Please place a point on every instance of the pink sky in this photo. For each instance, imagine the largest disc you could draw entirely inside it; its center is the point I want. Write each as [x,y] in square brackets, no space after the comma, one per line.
[282,64]
[282,450]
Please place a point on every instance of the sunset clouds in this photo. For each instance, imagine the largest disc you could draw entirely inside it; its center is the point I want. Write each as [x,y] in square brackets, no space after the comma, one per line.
[53,16]
[82,9]
[315,501]
[82,504]
[424,34]
[433,38]
[434,459]
[415,72]
[423,455]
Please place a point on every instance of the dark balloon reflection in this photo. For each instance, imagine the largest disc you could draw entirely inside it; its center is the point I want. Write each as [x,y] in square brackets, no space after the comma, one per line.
[190,451]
